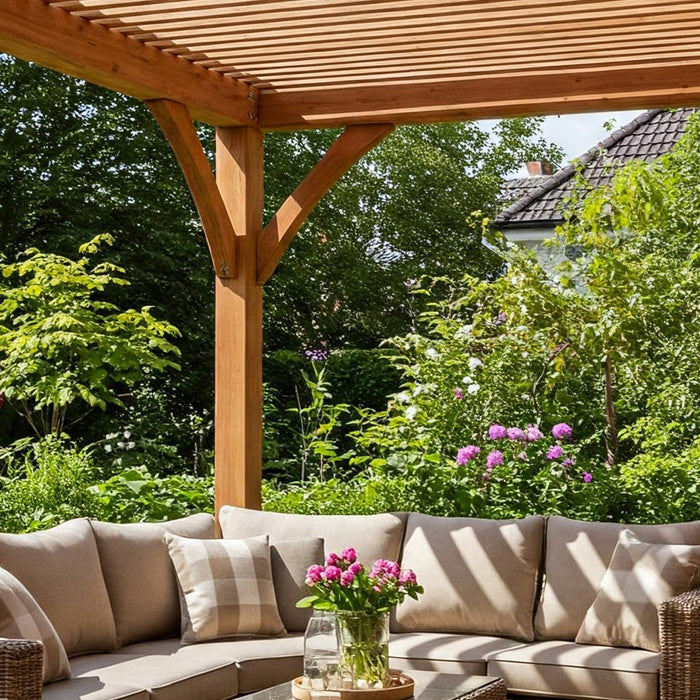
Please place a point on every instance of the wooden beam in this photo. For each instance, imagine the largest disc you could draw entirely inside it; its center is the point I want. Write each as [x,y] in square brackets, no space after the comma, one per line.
[52,37]
[350,146]
[675,84]
[238,372]
[175,121]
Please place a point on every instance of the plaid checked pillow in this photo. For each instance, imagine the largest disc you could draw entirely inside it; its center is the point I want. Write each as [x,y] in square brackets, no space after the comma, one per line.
[22,618]
[639,578]
[226,587]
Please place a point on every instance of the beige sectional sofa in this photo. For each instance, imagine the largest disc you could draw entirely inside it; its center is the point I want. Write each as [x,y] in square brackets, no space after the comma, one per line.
[502,598]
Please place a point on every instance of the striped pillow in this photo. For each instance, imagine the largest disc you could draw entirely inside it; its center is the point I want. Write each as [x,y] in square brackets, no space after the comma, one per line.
[226,587]
[22,618]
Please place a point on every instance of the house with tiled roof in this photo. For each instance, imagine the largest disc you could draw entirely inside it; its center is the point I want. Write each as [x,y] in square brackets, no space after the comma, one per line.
[535,204]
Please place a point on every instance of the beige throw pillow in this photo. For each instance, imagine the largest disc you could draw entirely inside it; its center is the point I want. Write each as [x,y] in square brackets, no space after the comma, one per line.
[226,587]
[639,578]
[290,562]
[22,618]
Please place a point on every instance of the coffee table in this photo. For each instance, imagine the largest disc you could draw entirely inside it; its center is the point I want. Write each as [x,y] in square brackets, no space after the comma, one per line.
[429,686]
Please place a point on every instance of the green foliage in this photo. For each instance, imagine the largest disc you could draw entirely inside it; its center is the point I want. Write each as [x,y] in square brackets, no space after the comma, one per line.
[45,483]
[61,343]
[137,495]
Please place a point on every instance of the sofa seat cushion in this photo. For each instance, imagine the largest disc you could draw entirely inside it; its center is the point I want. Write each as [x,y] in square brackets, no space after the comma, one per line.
[577,555]
[186,673]
[139,574]
[60,567]
[373,536]
[92,688]
[480,576]
[569,670]
[260,663]
[463,654]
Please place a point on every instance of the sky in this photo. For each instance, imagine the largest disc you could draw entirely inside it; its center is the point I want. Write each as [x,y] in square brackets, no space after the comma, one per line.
[576,133]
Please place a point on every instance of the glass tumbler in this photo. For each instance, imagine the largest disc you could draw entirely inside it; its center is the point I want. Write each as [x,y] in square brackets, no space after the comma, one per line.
[321,652]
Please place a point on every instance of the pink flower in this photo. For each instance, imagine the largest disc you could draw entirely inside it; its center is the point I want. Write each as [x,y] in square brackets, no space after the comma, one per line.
[407,576]
[385,568]
[554,452]
[496,432]
[587,477]
[332,559]
[523,456]
[562,431]
[464,454]
[533,433]
[349,555]
[355,568]
[332,573]
[494,458]
[459,394]
[313,574]
[346,579]
[515,434]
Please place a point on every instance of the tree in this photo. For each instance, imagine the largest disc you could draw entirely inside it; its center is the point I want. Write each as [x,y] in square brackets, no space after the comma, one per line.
[401,213]
[60,344]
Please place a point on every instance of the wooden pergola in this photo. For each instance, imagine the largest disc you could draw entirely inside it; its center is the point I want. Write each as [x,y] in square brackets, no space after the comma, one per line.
[250,66]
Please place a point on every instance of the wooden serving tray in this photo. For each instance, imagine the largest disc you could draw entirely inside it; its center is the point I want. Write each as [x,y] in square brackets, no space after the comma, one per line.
[402,687]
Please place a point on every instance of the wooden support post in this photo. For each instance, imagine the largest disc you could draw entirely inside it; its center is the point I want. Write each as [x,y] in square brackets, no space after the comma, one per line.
[238,373]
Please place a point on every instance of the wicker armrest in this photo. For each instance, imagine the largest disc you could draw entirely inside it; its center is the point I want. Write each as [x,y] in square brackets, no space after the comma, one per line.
[679,633]
[21,662]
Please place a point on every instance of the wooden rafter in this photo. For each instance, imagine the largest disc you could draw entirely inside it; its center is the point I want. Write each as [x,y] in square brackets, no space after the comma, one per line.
[350,146]
[35,31]
[176,123]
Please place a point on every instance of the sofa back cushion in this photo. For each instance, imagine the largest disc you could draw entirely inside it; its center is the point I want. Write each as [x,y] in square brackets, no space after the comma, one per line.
[480,576]
[373,536]
[140,578]
[577,555]
[61,569]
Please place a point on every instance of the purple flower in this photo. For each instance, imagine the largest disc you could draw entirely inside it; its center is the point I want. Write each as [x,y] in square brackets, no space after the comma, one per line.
[459,394]
[496,432]
[349,555]
[494,458]
[568,462]
[554,452]
[486,476]
[313,574]
[534,433]
[464,454]
[316,355]
[587,477]
[523,456]
[501,318]
[346,578]
[331,573]
[562,431]
[515,434]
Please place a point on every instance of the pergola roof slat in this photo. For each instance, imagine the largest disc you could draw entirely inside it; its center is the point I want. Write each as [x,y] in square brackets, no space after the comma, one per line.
[336,62]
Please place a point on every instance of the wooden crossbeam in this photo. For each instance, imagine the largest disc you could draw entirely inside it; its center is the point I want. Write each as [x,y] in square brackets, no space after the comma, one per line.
[176,123]
[350,146]
[50,36]
[519,94]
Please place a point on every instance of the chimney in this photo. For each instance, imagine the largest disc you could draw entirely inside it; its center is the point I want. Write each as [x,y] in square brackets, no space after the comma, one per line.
[536,167]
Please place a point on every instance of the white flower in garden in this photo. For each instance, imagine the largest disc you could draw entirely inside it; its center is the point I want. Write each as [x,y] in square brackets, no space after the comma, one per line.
[411,412]
[127,434]
[108,448]
[418,389]
[120,445]
[463,331]
[403,397]
[467,380]
[475,363]
[473,388]
[130,445]
[431,353]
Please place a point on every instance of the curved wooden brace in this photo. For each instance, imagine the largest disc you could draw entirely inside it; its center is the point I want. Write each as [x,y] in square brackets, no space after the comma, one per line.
[348,148]
[175,121]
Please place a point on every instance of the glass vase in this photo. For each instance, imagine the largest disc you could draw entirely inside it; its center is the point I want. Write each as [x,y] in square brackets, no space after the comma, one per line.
[363,642]
[321,652]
